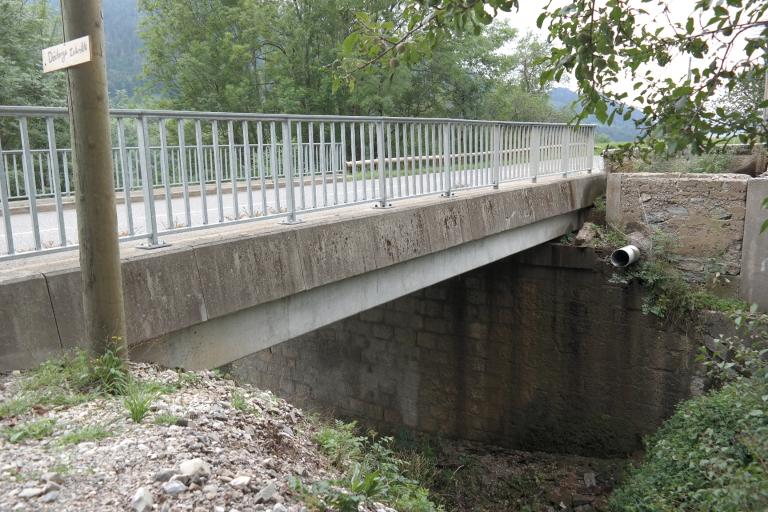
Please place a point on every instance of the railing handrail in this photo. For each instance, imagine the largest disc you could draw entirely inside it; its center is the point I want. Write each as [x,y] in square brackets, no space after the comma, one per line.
[16,111]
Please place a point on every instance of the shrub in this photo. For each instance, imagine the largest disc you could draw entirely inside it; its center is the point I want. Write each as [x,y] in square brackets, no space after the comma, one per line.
[742,355]
[373,471]
[711,455]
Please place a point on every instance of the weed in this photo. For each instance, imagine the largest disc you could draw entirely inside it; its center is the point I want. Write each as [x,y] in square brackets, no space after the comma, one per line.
[31,430]
[373,471]
[108,372]
[157,387]
[239,402]
[600,204]
[137,400]
[166,419]
[83,434]
[743,355]
[340,442]
[711,455]
[187,379]
[64,381]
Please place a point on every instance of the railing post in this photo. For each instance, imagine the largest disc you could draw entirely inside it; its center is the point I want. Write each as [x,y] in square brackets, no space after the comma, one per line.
[53,159]
[496,157]
[591,149]
[447,160]
[566,151]
[147,186]
[6,207]
[535,149]
[381,167]
[288,175]
[30,186]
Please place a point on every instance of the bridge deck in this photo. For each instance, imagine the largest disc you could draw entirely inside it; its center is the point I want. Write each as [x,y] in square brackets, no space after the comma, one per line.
[213,296]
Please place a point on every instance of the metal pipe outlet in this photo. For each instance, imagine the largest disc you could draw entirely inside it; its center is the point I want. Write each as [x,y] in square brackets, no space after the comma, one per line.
[625,256]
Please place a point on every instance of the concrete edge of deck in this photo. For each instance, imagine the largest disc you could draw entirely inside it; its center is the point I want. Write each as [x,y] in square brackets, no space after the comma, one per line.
[219,273]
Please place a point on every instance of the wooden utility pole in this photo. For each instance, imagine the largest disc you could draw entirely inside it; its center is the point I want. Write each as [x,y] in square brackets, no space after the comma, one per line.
[102,285]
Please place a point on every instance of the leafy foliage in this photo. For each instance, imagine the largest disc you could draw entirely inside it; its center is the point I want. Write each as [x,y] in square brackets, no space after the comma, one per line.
[601,43]
[738,356]
[28,27]
[108,371]
[373,471]
[711,455]
[277,56]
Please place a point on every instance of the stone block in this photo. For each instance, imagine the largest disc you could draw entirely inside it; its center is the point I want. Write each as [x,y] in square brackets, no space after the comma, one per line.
[29,334]
[446,224]
[332,252]
[161,292]
[399,236]
[241,273]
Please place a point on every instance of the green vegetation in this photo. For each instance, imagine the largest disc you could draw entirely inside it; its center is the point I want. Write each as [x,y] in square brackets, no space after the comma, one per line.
[239,402]
[705,163]
[88,433]
[279,58]
[669,293]
[138,399]
[186,379]
[30,430]
[64,381]
[744,354]
[600,44]
[372,471]
[711,455]
[108,371]
[166,418]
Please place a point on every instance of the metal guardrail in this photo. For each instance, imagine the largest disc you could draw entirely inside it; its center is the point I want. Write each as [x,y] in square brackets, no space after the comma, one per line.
[197,169]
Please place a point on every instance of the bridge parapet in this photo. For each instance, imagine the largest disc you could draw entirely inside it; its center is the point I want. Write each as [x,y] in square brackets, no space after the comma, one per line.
[214,296]
[193,170]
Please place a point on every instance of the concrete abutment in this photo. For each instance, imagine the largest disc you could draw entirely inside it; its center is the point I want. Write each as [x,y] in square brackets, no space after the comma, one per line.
[536,351]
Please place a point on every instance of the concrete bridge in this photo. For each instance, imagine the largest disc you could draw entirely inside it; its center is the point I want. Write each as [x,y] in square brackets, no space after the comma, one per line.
[213,296]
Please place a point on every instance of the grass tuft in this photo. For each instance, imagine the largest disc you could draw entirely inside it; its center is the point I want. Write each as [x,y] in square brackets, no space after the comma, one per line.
[138,399]
[166,419]
[83,434]
[31,430]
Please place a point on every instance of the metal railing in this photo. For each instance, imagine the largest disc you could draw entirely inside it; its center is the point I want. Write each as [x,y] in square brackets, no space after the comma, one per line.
[190,170]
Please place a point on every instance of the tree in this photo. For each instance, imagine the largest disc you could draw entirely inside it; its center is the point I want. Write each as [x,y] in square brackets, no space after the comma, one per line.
[28,27]
[598,42]
[276,56]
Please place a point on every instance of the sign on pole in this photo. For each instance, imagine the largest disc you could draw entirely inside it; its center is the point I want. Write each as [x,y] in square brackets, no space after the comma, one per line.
[65,55]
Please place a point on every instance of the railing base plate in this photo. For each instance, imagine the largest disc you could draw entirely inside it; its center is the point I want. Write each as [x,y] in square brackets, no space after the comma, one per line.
[379,206]
[289,222]
[148,247]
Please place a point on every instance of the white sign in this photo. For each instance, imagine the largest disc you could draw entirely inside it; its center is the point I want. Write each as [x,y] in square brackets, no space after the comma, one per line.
[65,55]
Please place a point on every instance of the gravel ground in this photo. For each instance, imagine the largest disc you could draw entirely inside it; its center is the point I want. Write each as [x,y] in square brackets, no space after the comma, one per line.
[215,456]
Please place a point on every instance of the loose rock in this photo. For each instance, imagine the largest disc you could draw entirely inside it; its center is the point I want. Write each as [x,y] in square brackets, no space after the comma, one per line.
[142,500]
[174,487]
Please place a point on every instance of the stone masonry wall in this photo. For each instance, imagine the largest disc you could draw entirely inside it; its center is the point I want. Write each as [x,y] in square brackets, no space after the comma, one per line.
[537,351]
[703,213]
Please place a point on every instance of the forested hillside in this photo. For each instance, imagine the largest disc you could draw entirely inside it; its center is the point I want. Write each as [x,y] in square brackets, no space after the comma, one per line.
[276,57]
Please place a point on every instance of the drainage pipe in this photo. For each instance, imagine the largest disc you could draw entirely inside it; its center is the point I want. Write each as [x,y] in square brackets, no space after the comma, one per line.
[625,256]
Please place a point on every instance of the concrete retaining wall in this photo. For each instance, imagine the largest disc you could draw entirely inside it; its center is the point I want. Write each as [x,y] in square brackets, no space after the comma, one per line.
[713,220]
[703,213]
[538,351]
[220,272]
